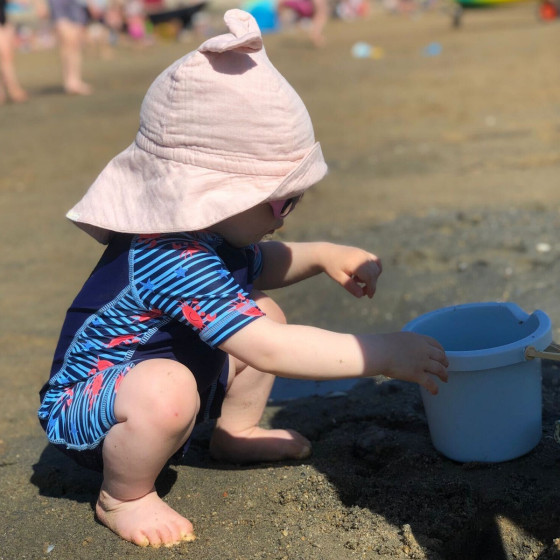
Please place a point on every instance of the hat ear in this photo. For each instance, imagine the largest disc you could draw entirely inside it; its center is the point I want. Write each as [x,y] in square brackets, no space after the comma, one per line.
[244,36]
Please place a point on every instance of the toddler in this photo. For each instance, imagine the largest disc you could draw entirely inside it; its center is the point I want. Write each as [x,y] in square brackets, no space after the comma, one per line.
[172,326]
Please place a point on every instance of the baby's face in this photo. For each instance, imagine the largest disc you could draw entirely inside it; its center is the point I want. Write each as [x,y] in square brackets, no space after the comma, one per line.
[249,226]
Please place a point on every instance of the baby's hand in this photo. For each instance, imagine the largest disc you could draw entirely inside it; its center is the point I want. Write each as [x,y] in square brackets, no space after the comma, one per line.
[354,269]
[416,358]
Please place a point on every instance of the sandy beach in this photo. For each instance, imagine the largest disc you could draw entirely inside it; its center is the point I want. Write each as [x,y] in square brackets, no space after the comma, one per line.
[443,161]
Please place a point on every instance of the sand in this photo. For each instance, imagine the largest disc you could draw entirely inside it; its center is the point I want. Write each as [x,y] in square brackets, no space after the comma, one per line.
[446,166]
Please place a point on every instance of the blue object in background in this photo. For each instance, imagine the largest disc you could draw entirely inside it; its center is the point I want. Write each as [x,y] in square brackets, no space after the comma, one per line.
[433,49]
[361,50]
[264,12]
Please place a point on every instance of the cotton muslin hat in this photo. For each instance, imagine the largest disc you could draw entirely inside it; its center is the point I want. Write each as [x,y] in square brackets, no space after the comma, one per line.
[220,131]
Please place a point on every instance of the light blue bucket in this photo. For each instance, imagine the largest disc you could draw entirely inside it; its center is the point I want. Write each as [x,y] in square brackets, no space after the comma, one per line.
[491,408]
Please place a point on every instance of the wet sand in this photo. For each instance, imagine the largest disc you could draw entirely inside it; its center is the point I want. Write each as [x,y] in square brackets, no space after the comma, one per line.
[446,166]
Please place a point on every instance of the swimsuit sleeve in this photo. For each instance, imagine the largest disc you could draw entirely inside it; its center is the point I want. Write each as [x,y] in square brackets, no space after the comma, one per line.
[184,279]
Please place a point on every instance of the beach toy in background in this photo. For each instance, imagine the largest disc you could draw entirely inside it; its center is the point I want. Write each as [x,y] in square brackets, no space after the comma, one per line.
[361,50]
[433,49]
[264,12]
[365,50]
[490,409]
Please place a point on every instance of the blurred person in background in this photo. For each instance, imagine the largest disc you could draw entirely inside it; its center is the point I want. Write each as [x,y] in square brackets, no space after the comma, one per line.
[316,11]
[10,87]
[70,18]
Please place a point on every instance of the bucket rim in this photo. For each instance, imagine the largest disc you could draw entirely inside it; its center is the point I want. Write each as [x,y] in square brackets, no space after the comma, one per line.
[498,356]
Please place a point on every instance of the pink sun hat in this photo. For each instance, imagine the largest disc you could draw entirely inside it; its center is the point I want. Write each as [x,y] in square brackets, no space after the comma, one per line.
[220,131]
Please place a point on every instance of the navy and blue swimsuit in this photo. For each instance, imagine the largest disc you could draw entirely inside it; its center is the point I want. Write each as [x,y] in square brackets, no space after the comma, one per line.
[175,296]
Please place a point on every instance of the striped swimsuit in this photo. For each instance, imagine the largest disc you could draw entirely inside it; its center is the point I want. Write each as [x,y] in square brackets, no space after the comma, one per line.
[175,296]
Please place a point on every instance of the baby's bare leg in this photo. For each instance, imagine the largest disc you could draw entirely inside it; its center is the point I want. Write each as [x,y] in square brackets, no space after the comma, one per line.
[237,436]
[156,406]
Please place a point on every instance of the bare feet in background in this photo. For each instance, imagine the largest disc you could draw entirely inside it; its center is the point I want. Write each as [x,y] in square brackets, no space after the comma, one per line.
[78,88]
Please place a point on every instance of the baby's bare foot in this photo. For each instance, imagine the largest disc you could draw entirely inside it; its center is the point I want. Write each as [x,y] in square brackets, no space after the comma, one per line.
[146,521]
[258,445]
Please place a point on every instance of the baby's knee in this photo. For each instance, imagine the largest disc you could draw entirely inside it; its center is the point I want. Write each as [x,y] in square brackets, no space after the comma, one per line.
[176,397]
[164,390]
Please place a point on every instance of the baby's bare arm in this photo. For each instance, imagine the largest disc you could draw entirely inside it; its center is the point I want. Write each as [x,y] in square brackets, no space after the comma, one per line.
[287,263]
[303,352]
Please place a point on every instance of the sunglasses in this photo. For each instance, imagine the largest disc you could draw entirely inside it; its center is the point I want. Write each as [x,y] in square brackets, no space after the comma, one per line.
[281,208]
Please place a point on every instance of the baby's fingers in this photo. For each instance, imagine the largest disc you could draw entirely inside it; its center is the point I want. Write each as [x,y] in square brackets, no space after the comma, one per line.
[435,369]
[439,370]
[363,287]
[350,284]
[429,383]
[438,355]
[433,342]
[366,276]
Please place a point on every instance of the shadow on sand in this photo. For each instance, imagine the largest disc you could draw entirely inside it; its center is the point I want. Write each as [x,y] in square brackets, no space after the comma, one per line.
[374,447]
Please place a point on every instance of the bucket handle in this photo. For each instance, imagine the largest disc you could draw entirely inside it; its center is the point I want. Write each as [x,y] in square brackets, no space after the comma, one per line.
[551,352]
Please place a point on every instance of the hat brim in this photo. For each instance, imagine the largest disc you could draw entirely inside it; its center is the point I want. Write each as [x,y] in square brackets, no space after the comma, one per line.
[139,192]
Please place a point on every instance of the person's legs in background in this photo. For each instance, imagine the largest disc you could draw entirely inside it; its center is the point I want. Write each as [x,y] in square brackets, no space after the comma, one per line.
[71,37]
[9,83]
[318,22]
[70,19]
